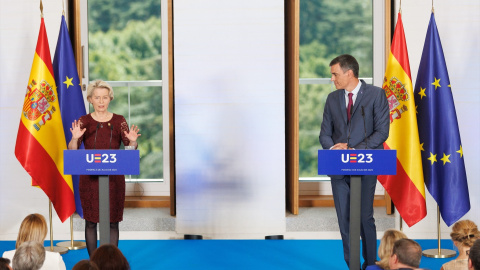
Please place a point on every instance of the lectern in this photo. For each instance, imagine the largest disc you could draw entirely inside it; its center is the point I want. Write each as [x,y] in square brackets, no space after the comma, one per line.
[356,163]
[102,163]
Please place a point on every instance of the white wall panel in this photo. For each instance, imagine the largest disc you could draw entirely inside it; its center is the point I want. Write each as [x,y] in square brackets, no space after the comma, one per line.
[229,116]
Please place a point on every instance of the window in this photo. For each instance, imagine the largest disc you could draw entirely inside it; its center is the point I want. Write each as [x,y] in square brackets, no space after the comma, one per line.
[328,29]
[125,49]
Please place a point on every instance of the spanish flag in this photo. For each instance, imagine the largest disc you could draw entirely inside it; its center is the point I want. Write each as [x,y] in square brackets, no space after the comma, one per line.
[407,188]
[40,139]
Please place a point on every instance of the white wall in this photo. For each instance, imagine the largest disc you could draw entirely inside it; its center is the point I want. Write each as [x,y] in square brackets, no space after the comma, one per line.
[19,27]
[458,25]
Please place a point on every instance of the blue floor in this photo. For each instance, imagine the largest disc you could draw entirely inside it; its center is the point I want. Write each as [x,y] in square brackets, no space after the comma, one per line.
[235,254]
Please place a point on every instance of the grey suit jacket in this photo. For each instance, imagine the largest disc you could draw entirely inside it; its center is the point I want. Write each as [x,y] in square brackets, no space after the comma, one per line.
[377,122]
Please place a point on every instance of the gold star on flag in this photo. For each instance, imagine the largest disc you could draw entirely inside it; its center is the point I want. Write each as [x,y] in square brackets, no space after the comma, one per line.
[445,158]
[421,147]
[68,82]
[460,151]
[422,92]
[432,158]
[436,83]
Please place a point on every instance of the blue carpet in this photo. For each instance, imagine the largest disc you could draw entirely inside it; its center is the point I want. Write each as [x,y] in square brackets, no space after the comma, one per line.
[235,254]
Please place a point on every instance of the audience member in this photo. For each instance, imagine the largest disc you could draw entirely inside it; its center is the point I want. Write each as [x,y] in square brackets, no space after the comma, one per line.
[85,265]
[30,255]
[474,256]
[385,249]
[34,228]
[464,233]
[109,257]
[5,264]
[406,254]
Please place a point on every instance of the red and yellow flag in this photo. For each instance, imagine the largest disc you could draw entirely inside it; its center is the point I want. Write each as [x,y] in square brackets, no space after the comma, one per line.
[40,139]
[407,188]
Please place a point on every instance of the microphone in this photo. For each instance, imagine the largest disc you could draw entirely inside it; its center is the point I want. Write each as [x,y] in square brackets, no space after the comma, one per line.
[365,129]
[96,130]
[111,132]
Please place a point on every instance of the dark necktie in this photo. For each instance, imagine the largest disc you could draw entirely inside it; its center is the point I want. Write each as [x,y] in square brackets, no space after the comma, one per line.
[349,106]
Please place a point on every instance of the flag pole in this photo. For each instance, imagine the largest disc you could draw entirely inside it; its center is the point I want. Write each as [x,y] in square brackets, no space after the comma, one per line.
[72,245]
[52,248]
[439,253]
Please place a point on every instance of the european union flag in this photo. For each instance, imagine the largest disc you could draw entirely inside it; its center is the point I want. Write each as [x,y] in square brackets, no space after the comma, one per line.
[442,152]
[69,91]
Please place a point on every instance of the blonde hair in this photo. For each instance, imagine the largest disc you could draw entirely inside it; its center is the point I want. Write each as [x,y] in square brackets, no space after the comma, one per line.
[98,84]
[465,232]
[386,246]
[33,228]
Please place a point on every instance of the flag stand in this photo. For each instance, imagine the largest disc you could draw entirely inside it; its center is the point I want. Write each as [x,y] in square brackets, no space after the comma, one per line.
[439,253]
[72,245]
[52,248]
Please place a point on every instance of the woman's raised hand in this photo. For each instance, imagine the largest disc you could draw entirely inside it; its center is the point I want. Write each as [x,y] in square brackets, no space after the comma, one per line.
[77,132]
[132,135]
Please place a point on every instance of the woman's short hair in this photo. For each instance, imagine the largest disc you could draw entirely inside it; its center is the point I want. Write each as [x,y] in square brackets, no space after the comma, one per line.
[30,255]
[465,232]
[33,228]
[386,246]
[98,84]
[109,257]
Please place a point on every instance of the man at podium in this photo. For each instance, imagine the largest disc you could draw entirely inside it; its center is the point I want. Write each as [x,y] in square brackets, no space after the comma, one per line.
[356,116]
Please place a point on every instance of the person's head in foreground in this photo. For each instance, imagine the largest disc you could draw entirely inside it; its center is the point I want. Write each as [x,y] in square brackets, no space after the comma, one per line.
[109,257]
[30,255]
[406,253]
[386,246]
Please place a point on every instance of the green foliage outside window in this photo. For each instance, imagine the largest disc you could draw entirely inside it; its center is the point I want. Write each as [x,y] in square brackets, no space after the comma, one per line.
[328,28]
[125,44]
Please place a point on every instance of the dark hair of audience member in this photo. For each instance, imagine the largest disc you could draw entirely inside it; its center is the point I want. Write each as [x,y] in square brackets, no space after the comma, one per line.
[109,257]
[85,265]
[30,255]
[4,264]
[408,252]
[474,255]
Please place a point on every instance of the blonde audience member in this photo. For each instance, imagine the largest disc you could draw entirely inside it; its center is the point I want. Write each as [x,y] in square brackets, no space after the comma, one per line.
[385,248]
[464,233]
[34,228]
[30,255]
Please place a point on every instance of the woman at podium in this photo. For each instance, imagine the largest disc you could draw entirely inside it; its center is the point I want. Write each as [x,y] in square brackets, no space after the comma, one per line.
[101,129]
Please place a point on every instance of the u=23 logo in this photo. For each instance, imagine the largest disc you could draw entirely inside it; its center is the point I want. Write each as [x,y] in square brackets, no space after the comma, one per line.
[101,158]
[357,158]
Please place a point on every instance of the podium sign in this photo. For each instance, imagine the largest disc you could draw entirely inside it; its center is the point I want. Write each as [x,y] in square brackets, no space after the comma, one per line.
[357,162]
[101,162]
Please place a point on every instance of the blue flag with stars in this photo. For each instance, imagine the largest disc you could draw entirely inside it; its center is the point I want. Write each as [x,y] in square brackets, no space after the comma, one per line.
[69,91]
[442,152]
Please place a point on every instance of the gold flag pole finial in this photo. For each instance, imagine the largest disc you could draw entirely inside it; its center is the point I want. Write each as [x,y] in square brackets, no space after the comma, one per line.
[433,10]
[400,9]
[41,8]
[63,8]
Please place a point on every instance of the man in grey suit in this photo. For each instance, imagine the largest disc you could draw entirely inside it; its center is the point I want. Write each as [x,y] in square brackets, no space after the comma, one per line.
[356,116]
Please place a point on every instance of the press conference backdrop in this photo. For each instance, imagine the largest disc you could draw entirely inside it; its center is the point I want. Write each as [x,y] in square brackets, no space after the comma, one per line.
[229,116]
